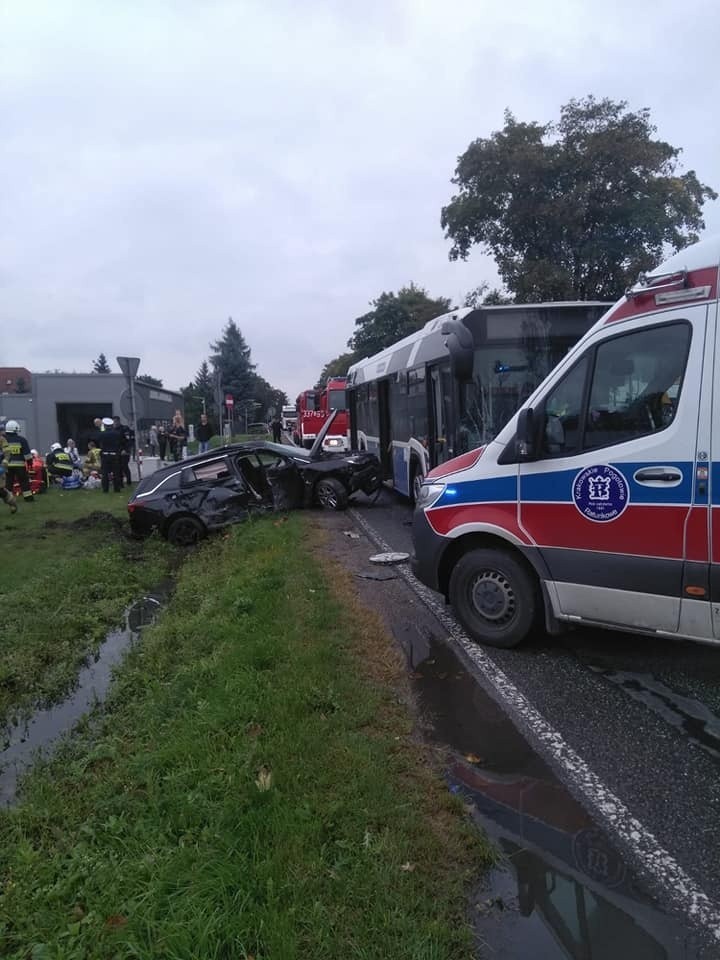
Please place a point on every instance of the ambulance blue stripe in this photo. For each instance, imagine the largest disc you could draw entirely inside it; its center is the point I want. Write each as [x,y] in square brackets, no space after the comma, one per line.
[555,486]
[487,490]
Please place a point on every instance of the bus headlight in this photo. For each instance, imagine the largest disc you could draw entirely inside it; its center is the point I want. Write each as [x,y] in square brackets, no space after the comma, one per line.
[429,494]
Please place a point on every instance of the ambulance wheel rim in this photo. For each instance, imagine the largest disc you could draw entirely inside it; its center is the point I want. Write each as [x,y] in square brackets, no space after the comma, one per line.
[493,597]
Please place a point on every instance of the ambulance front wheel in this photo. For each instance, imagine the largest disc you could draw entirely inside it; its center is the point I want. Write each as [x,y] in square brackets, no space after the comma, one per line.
[494,596]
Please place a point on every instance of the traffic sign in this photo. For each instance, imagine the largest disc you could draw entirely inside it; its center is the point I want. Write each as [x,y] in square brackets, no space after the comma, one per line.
[229,402]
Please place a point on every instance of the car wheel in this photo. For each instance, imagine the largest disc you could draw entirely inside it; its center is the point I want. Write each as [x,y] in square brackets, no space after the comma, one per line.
[331,494]
[494,597]
[185,531]
[416,479]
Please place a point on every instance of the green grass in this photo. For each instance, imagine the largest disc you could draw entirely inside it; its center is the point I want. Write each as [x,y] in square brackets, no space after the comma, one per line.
[66,578]
[253,789]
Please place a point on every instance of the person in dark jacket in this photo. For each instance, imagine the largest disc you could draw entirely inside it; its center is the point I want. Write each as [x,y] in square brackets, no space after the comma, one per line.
[178,437]
[18,458]
[125,445]
[162,441]
[203,433]
[110,441]
[276,429]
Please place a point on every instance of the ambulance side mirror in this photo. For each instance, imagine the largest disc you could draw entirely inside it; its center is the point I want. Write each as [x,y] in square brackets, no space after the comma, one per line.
[526,435]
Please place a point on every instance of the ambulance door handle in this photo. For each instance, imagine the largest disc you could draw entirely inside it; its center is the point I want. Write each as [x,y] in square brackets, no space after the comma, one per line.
[655,474]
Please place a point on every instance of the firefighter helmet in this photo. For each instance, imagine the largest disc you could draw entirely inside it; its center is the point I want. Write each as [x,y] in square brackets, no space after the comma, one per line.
[55,446]
[12,426]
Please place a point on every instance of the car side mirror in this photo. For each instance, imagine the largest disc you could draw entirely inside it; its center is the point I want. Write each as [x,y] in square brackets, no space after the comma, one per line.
[526,435]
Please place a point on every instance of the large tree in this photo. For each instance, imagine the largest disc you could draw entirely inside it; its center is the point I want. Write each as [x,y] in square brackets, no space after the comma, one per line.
[574,209]
[394,316]
[231,356]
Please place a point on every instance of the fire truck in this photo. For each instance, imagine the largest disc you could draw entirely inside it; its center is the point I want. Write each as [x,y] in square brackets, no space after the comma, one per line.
[310,418]
[333,397]
[313,409]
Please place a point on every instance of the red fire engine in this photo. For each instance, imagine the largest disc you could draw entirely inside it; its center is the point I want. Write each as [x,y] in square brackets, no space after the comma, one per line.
[313,408]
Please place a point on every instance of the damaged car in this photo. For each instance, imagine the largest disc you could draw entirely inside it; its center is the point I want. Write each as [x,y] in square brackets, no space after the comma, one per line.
[186,500]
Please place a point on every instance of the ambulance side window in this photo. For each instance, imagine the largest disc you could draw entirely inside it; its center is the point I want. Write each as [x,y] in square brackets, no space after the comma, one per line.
[563,413]
[636,384]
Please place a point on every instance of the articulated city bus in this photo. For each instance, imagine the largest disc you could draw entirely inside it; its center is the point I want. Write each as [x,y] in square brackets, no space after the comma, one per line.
[452,385]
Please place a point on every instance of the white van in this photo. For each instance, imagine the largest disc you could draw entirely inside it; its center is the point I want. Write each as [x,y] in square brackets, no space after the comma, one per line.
[598,502]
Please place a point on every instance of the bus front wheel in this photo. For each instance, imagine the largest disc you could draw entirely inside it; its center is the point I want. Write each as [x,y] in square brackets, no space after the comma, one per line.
[416,479]
[494,596]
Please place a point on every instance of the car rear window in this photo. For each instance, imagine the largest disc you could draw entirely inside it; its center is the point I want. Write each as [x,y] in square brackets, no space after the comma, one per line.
[214,470]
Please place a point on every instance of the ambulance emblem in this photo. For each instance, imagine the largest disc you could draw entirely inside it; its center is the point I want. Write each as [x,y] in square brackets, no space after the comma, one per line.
[600,493]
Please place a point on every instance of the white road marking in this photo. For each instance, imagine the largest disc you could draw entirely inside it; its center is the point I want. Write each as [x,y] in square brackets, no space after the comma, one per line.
[653,860]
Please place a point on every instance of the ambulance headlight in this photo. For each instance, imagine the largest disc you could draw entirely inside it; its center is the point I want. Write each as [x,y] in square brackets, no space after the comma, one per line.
[429,494]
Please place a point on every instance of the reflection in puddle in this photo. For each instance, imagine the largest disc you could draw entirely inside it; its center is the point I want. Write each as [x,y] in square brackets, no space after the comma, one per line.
[561,891]
[699,724]
[47,725]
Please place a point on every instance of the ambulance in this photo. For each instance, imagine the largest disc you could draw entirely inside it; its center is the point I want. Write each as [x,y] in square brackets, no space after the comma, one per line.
[599,502]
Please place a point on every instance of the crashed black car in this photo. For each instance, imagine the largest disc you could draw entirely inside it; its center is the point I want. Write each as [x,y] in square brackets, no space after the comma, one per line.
[186,500]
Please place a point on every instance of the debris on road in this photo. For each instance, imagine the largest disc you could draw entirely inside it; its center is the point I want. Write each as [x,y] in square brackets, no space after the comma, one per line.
[389,558]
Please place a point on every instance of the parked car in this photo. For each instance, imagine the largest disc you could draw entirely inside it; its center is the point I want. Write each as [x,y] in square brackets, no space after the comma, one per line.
[185,500]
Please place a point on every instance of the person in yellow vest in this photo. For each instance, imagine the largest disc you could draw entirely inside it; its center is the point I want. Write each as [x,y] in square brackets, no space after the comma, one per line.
[92,460]
[18,456]
[5,494]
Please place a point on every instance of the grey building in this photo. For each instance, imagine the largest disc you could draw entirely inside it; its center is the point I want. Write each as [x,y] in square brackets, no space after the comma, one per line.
[63,405]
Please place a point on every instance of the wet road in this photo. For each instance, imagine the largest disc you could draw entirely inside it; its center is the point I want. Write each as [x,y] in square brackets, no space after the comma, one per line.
[643,714]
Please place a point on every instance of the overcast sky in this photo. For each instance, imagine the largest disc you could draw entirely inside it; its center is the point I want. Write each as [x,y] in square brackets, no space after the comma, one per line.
[166,164]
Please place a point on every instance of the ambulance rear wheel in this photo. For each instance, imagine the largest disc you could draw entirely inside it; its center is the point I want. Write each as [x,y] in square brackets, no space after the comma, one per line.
[494,597]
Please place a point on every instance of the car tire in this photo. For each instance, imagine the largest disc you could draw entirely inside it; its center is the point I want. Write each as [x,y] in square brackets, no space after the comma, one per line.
[494,597]
[416,478]
[185,531]
[331,494]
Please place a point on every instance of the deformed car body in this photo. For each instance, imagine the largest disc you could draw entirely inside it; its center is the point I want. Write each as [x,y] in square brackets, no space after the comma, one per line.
[186,500]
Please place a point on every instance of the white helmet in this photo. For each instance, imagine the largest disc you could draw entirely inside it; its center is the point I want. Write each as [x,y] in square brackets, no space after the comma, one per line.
[55,446]
[12,426]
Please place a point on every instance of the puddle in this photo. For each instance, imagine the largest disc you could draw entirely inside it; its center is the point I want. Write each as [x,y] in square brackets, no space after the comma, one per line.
[699,724]
[561,891]
[47,725]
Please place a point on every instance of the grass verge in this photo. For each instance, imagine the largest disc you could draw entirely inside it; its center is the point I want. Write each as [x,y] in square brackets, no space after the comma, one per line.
[69,570]
[253,788]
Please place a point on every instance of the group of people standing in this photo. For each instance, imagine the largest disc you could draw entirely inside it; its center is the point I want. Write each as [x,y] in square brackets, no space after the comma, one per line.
[160,438]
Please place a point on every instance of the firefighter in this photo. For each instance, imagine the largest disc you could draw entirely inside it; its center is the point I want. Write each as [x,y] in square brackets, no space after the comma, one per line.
[110,440]
[18,457]
[58,463]
[92,460]
[5,494]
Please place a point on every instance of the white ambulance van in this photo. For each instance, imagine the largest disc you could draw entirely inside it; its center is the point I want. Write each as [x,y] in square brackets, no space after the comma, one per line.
[599,502]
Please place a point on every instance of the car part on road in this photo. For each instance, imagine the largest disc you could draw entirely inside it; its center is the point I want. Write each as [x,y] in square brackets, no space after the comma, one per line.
[390,557]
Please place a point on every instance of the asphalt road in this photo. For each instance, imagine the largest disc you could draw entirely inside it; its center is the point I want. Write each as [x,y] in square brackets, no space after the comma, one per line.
[643,714]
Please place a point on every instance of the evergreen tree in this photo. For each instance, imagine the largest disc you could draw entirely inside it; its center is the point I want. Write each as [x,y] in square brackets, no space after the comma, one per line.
[231,356]
[101,365]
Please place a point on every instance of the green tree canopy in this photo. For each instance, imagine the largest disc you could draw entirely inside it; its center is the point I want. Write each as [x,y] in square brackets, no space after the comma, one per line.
[153,381]
[394,316]
[101,365]
[484,296]
[574,209]
[336,368]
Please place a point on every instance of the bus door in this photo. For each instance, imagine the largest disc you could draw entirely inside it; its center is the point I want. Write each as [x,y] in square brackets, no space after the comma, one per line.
[384,427]
[441,421]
